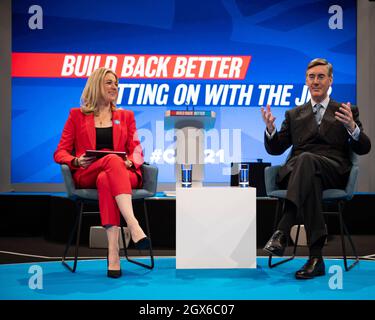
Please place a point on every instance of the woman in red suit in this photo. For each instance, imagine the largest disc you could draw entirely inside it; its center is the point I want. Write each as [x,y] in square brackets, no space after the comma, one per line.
[98,125]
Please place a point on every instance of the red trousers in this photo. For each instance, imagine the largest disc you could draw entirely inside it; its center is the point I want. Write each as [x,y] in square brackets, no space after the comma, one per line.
[110,176]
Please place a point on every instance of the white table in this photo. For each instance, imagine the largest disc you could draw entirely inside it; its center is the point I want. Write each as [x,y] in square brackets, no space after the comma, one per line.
[215,227]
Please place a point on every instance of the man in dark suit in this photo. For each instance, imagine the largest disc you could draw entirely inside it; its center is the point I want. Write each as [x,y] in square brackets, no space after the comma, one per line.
[321,132]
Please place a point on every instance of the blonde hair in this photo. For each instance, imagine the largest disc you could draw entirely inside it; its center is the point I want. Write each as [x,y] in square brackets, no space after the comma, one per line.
[93,91]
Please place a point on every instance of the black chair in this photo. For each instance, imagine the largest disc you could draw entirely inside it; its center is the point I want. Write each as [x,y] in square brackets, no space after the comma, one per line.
[82,197]
[337,197]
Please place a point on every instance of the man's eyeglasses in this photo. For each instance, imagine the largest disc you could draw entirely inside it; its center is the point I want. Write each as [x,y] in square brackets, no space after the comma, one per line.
[320,77]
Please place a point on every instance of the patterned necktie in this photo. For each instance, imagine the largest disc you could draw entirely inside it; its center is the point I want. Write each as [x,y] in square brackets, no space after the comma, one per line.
[317,110]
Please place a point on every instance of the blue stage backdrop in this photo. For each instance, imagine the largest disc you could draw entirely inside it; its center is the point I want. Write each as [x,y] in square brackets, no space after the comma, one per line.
[228,56]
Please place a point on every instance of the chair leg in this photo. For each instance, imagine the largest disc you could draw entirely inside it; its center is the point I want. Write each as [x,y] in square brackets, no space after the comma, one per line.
[270,264]
[151,254]
[75,231]
[343,232]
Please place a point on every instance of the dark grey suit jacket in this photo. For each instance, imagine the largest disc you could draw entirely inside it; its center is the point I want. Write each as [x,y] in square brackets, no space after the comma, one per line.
[330,139]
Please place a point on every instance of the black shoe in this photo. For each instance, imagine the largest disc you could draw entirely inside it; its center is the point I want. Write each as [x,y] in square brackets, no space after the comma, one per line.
[113,273]
[277,244]
[314,267]
[143,244]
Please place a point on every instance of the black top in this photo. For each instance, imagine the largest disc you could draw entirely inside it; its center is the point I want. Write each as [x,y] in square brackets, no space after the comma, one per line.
[104,138]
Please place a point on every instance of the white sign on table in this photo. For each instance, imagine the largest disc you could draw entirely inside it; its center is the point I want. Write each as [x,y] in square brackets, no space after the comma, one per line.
[215,228]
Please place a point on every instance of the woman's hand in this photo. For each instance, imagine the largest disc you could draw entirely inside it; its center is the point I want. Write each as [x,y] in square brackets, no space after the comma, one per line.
[84,161]
[128,163]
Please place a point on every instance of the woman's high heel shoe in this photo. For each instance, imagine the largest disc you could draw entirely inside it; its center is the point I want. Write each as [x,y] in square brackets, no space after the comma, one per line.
[143,244]
[113,273]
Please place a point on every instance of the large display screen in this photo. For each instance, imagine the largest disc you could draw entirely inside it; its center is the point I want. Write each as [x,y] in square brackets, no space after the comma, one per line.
[228,56]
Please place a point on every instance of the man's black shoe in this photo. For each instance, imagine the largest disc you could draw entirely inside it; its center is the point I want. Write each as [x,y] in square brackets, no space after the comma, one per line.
[314,267]
[277,244]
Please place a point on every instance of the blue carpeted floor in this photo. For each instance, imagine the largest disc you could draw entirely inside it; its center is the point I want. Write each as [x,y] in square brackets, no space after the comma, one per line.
[167,283]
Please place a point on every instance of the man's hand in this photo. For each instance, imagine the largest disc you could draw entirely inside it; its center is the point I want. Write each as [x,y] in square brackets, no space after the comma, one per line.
[345,116]
[268,118]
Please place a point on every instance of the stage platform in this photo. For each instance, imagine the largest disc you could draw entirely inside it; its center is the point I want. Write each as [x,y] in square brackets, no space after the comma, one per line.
[35,227]
[164,282]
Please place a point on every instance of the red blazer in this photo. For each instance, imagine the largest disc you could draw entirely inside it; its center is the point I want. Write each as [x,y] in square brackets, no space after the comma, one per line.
[79,134]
